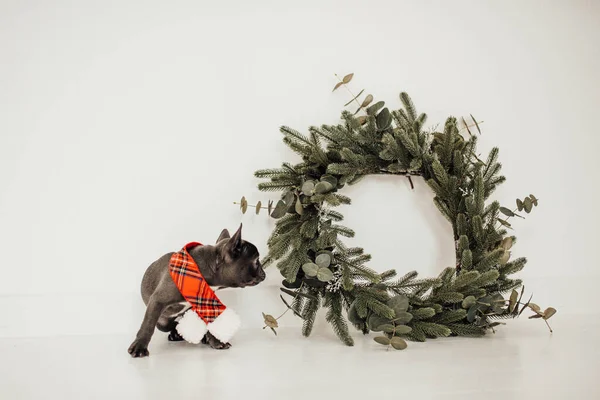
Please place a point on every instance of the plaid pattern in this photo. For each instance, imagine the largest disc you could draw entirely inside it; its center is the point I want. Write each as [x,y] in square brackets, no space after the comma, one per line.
[193,287]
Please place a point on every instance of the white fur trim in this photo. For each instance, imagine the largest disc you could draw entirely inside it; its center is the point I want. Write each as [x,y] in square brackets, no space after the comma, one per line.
[225,326]
[191,327]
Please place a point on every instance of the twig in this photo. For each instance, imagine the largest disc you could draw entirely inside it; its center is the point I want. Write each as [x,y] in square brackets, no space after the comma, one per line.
[250,205]
[349,91]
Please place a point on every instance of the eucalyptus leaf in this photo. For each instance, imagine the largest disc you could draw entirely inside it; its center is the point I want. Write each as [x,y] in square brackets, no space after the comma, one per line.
[384,119]
[310,269]
[330,179]
[280,210]
[324,274]
[258,207]
[507,243]
[534,307]
[367,100]
[519,205]
[274,331]
[242,201]
[290,307]
[299,208]
[298,293]
[347,78]
[398,343]
[362,119]
[375,322]
[505,223]
[512,303]
[337,85]
[270,321]
[507,212]
[533,200]
[505,257]
[389,328]
[323,187]
[549,312]
[476,124]
[403,329]
[323,260]
[308,187]
[372,109]
[403,317]
[468,301]
[398,303]
[472,313]
[354,98]
[289,198]
[527,205]
[384,340]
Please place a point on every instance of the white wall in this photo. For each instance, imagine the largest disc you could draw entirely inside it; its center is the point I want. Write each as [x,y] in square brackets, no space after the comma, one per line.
[129,128]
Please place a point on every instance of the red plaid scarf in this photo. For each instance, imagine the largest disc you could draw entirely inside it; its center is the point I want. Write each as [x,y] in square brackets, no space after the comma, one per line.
[193,286]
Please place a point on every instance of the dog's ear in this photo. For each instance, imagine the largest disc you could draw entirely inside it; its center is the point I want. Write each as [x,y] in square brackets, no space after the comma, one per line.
[224,235]
[235,243]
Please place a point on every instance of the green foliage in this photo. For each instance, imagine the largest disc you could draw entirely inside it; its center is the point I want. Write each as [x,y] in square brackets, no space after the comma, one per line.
[306,242]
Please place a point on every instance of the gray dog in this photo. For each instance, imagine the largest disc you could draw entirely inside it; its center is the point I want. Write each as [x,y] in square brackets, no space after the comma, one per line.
[231,263]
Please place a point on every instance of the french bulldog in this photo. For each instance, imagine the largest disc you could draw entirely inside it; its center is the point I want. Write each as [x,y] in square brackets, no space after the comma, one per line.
[230,263]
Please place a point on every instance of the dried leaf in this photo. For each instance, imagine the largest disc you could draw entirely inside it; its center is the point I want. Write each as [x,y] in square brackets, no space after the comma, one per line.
[242,201]
[534,307]
[534,316]
[244,206]
[337,85]
[507,212]
[398,343]
[533,200]
[519,205]
[505,257]
[549,312]
[512,302]
[476,124]
[301,294]
[505,223]
[527,205]
[270,321]
[367,100]
[354,98]
[258,207]
[362,119]
[384,340]
[347,78]
[507,243]
[274,331]
[466,126]
[299,208]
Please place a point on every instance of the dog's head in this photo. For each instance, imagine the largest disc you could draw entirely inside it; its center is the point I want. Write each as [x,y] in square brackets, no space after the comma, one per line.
[238,263]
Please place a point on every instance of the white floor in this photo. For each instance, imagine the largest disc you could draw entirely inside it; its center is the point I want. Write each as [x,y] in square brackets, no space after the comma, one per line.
[521,361]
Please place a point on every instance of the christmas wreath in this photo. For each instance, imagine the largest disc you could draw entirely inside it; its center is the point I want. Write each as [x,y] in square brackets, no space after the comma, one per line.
[467,299]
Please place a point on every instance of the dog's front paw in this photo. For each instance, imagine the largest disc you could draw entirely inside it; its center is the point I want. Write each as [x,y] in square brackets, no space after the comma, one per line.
[220,345]
[214,342]
[138,349]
